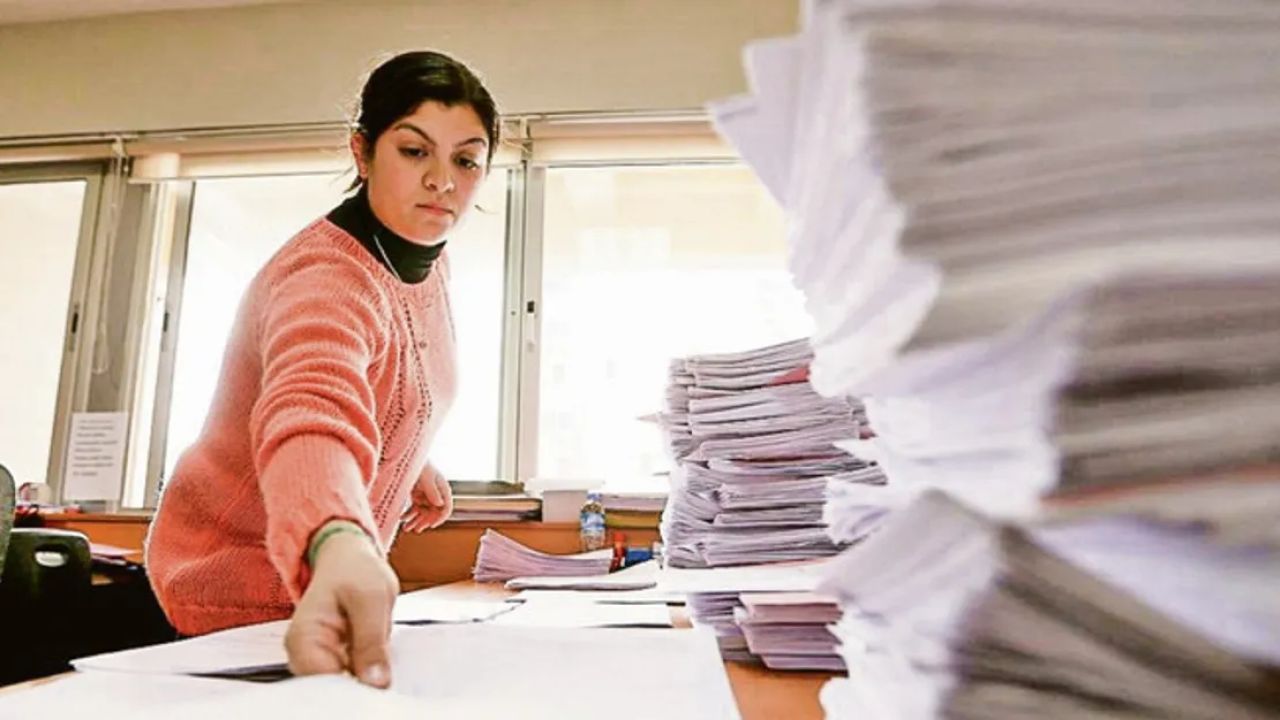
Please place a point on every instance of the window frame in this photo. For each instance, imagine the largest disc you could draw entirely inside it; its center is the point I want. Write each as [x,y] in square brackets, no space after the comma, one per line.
[175,162]
[84,303]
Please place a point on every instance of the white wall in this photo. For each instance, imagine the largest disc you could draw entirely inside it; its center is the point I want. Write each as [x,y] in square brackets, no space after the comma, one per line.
[302,62]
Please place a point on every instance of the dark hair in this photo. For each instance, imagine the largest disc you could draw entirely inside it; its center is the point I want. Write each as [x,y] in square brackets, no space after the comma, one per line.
[398,86]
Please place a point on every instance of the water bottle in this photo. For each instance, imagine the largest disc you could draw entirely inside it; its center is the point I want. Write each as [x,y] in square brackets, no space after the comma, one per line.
[591,523]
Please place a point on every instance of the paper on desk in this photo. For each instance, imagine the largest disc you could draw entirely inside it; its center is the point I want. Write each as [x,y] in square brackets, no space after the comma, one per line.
[258,650]
[258,647]
[424,606]
[102,550]
[449,668]
[569,613]
[108,695]
[562,673]
[637,577]
[315,697]
[776,577]
[647,596]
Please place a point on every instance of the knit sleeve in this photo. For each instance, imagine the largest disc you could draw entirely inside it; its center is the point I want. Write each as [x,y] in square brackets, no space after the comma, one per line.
[313,427]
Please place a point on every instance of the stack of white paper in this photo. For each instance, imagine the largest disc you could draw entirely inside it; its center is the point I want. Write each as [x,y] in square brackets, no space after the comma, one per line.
[988,155]
[500,558]
[756,460]
[1041,241]
[640,576]
[714,594]
[976,619]
[987,204]
[636,502]
[789,631]
[712,392]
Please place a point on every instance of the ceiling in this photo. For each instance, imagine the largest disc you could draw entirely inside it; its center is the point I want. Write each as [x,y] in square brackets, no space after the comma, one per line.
[24,11]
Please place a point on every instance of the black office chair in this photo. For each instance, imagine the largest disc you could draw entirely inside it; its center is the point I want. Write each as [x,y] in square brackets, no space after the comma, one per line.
[45,576]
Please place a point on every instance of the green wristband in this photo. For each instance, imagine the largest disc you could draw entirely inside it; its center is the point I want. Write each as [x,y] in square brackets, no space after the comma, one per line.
[328,530]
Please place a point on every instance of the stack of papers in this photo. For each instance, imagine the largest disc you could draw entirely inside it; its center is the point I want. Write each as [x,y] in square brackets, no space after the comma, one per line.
[948,170]
[640,576]
[714,595]
[707,377]
[756,460]
[630,510]
[1016,226]
[1041,240]
[496,508]
[636,502]
[978,619]
[1130,381]
[499,558]
[789,631]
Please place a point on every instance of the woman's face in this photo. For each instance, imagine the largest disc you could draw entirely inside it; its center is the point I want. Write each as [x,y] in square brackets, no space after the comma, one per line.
[424,169]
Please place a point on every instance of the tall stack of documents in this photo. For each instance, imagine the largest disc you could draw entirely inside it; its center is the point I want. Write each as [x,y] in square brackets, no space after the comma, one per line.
[988,200]
[1041,241]
[755,459]
[975,619]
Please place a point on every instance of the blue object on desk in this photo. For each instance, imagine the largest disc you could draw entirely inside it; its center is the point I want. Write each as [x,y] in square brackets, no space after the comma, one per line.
[636,555]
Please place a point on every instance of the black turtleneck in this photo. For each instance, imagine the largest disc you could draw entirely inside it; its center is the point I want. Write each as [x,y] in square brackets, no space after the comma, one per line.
[409,261]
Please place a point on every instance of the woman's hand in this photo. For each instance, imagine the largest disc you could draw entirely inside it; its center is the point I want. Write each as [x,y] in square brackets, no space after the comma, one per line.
[432,501]
[343,621]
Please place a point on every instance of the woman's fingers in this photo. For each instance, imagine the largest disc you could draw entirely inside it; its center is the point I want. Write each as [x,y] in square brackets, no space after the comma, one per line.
[429,491]
[314,645]
[413,520]
[368,612]
[446,496]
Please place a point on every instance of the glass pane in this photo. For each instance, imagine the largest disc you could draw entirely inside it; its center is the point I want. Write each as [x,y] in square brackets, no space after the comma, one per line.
[40,231]
[641,265]
[238,223]
[466,447]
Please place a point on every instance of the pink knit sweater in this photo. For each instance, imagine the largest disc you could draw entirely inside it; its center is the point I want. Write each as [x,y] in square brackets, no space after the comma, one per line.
[334,381]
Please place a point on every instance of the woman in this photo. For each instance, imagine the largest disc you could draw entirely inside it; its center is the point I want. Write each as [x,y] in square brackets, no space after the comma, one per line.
[336,376]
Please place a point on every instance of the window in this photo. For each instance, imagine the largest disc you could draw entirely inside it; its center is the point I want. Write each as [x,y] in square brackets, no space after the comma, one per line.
[40,227]
[238,223]
[641,265]
[466,447]
[600,251]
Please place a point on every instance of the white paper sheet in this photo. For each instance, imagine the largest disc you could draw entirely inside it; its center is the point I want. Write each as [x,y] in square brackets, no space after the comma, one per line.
[648,596]
[569,613]
[780,577]
[450,671]
[425,606]
[252,646]
[637,577]
[108,695]
[316,697]
[484,672]
[95,455]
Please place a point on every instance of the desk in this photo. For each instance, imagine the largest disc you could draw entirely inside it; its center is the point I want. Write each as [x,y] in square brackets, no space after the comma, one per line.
[762,694]
[126,530]
[435,557]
